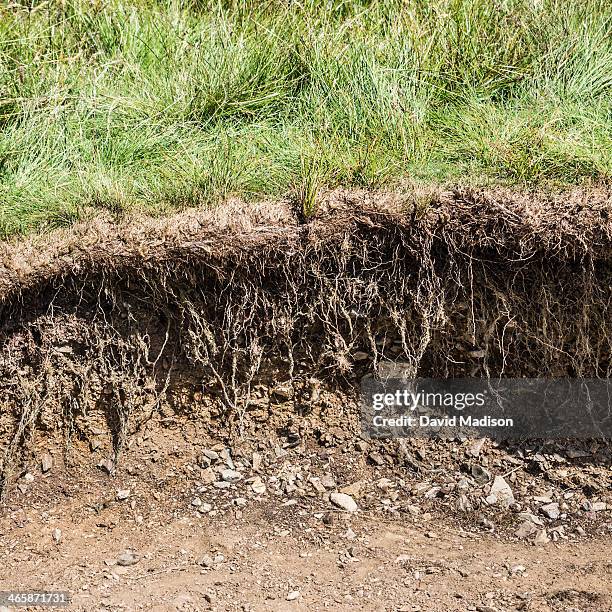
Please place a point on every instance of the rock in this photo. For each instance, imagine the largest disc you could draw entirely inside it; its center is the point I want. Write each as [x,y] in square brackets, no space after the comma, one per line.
[208,476]
[256,462]
[526,529]
[541,537]
[258,486]
[598,506]
[501,489]
[57,535]
[527,516]
[360,356]
[46,463]
[344,501]
[123,494]
[316,485]
[551,511]
[29,477]
[211,455]
[206,561]
[205,508]
[222,484]
[231,475]
[477,447]
[196,502]
[463,503]
[127,558]
[353,489]
[480,474]
[376,458]
[293,595]
[328,481]
[106,465]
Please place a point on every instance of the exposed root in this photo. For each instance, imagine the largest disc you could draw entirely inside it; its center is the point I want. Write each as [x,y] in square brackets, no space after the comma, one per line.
[111,319]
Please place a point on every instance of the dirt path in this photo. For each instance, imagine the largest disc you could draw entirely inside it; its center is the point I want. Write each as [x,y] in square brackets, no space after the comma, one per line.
[249,527]
[256,561]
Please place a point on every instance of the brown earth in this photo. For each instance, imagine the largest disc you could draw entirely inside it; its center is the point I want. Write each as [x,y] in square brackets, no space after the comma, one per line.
[409,546]
[127,350]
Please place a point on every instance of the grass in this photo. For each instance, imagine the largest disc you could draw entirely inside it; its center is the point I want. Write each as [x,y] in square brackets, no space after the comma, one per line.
[157,104]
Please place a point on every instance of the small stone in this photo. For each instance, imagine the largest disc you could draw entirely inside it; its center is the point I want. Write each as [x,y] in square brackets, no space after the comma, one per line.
[525,529]
[231,475]
[293,595]
[527,516]
[123,494]
[222,484]
[328,481]
[211,455]
[598,506]
[463,503]
[256,461]
[204,508]
[477,447]
[127,558]
[46,463]
[344,501]
[207,476]
[541,537]
[551,511]
[29,477]
[376,458]
[353,489]
[57,535]
[360,356]
[196,502]
[106,465]
[258,486]
[501,489]
[206,561]
[480,474]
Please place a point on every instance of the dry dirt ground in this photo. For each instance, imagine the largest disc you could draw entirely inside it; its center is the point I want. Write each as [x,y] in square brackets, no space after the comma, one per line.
[187,523]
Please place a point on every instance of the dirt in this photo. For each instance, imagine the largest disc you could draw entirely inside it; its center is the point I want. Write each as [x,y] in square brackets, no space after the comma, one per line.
[407,547]
[179,406]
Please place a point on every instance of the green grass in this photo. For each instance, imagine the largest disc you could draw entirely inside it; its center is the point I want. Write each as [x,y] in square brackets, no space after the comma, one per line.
[153,105]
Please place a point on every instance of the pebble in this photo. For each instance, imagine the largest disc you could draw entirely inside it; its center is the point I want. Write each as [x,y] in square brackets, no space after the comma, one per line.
[205,507]
[551,510]
[541,537]
[463,503]
[123,494]
[46,463]
[127,558]
[481,475]
[57,535]
[29,477]
[376,458]
[230,475]
[502,491]
[526,528]
[344,501]
[196,502]
[293,595]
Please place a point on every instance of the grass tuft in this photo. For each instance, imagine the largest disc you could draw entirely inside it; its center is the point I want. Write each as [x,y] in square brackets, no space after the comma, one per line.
[158,104]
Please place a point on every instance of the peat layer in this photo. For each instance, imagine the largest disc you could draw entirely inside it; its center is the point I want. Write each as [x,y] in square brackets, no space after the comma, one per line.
[119,320]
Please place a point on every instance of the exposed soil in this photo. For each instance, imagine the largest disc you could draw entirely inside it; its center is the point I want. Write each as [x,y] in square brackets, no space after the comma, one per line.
[409,546]
[128,350]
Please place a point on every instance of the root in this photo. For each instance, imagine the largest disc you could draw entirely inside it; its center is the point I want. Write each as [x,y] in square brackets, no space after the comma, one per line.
[479,286]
